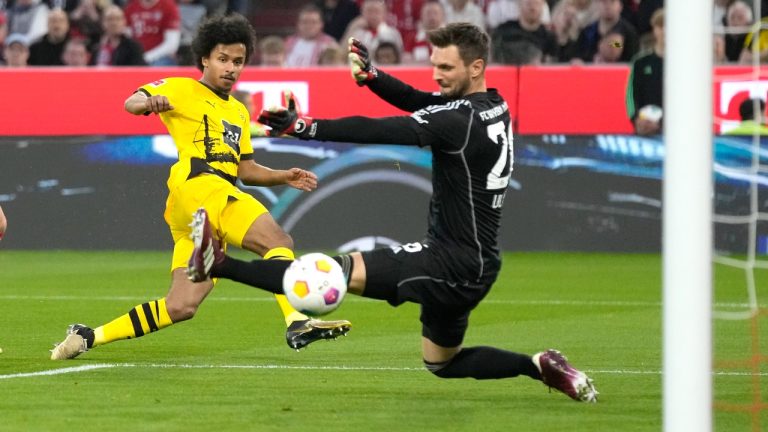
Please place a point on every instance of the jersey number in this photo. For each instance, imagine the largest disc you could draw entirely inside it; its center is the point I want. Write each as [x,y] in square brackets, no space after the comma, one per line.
[409,247]
[497,179]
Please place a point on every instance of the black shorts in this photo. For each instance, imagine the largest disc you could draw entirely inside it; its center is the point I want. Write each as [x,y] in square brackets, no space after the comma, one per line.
[413,273]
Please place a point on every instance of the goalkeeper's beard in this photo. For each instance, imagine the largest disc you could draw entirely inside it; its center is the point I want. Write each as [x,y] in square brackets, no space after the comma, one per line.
[456,92]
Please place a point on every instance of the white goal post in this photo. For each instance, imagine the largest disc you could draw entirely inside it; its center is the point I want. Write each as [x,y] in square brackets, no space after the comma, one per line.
[687,216]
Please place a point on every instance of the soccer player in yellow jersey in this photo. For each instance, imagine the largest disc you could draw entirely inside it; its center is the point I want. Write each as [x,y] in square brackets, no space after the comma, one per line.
[211,133]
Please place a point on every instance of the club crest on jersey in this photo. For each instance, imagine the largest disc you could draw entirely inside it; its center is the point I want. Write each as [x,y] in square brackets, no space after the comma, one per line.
[157,83]
[300,125]
[232,134]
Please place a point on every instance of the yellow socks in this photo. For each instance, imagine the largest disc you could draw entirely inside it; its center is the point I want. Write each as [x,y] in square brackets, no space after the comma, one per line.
[289,313]
[152,316]
[144,318]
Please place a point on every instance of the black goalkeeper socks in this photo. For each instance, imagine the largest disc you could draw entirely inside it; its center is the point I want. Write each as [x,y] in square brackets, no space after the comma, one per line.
[347,265]
[485,363]
[264,274]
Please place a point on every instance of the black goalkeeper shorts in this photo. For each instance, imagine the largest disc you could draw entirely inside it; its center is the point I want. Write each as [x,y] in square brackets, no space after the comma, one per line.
[412,273]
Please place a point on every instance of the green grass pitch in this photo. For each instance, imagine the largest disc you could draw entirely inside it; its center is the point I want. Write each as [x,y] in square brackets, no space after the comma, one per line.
[229,368]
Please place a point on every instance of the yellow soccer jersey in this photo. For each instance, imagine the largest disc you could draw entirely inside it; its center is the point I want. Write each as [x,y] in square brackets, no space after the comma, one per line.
[203,126]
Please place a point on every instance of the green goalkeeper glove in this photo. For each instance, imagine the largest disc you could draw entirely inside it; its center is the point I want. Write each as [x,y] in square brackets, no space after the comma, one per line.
[363,71]
[286,121]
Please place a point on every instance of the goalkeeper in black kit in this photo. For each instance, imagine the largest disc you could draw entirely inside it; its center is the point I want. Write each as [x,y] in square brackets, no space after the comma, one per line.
[467,127]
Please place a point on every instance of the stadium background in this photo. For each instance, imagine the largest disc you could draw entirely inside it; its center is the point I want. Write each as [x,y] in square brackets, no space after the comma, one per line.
[78,172]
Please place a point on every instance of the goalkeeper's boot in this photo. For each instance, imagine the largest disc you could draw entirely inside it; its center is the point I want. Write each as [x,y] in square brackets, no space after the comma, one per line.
[207,251]
[303,332]
[79,340]
[557,373]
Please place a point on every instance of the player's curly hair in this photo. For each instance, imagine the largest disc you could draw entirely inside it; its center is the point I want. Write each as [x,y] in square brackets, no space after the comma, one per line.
[230,29]
[473,43]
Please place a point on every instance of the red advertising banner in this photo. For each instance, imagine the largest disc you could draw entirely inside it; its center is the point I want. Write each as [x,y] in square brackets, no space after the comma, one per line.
[733,85]
[543,100]
[573,100]
[63,101]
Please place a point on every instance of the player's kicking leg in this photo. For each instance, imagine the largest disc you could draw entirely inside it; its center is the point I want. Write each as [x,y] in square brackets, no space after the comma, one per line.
[79,339]
[557,373]
[141,320]
[208,253]
[148,317]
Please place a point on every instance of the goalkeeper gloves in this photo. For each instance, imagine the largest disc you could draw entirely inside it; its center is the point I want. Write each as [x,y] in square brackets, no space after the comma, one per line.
[286,121]
[363,71]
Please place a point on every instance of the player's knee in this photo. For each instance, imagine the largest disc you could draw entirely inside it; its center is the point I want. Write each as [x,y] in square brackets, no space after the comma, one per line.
[279,239]
[181,312]
[286,240]
[441,370]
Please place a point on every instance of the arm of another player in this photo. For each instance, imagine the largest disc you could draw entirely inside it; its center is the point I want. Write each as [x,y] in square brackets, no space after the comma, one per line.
[253,174]
[645,126]
[140,103]
[3,223]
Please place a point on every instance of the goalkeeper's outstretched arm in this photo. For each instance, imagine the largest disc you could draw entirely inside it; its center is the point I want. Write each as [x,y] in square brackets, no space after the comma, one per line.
[364,130]
[402,95]
[356,129]
[387,87]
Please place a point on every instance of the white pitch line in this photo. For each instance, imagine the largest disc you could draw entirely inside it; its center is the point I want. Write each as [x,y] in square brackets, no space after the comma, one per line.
[86,368]
[269,366]
[59,371]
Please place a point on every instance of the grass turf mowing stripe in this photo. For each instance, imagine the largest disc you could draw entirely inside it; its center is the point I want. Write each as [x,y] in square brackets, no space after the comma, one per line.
[607,303]
[86,368]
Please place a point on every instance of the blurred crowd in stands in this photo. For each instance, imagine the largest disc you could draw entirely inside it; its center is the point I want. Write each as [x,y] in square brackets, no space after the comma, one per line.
[159,32]
[310,33]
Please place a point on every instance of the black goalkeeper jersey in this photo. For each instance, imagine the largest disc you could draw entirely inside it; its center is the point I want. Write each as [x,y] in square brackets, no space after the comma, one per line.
[471,142]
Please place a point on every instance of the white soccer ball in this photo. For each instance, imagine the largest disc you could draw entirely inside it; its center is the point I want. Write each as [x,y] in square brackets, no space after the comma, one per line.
[314,284]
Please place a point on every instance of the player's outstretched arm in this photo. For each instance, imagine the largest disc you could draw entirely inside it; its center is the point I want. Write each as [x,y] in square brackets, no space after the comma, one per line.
[254,174]
[139,103]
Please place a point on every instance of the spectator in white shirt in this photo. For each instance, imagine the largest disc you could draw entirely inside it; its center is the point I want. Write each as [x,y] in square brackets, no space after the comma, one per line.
[371,27]
[29,18]
[304,47]
[464,11]
[501,11]
[418,49]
